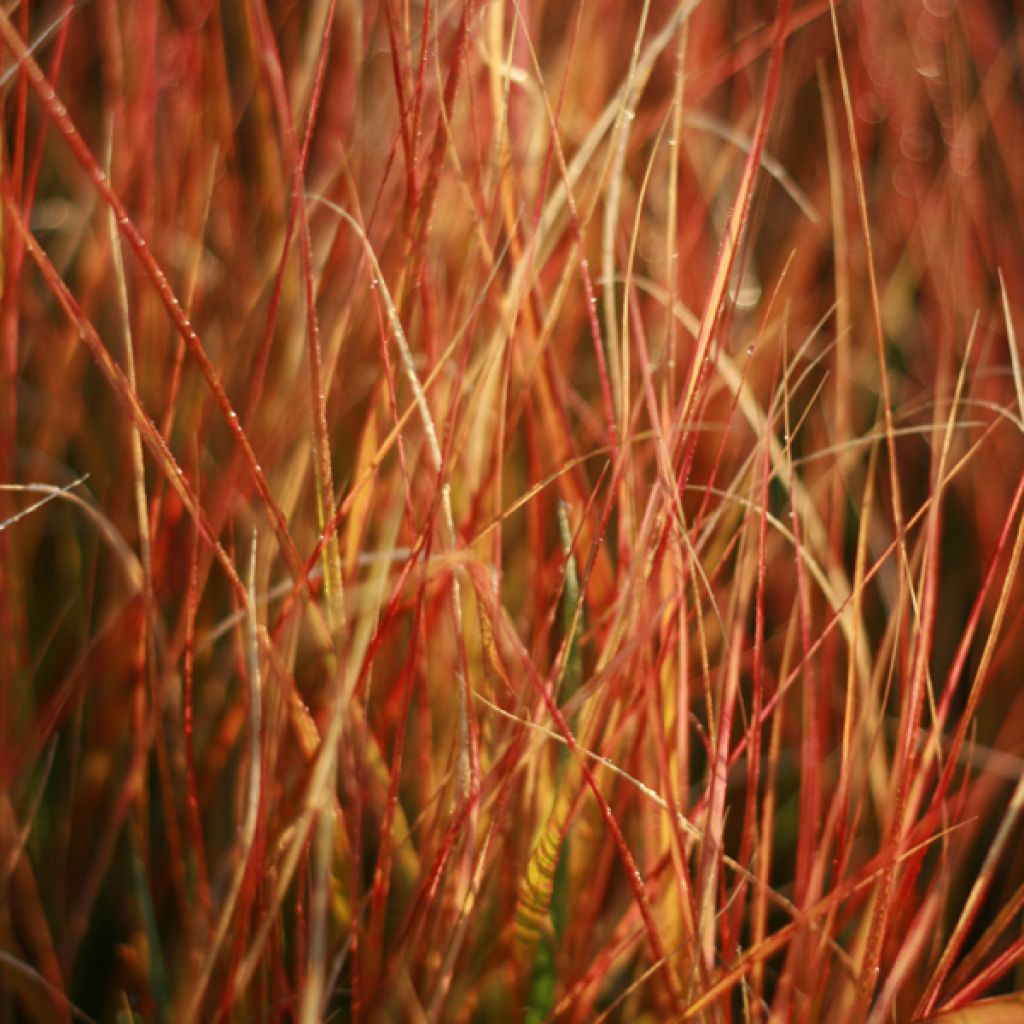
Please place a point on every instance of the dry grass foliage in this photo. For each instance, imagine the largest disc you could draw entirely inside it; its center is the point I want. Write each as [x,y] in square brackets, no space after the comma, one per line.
[511,511]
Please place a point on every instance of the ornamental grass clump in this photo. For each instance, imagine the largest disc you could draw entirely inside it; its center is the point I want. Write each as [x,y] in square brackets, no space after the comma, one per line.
[511,511]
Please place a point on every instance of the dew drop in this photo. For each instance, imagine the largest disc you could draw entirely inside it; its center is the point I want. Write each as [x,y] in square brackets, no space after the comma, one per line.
[750,350]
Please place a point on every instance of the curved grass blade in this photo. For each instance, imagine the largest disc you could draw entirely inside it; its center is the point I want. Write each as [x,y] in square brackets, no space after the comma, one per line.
[544,891]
